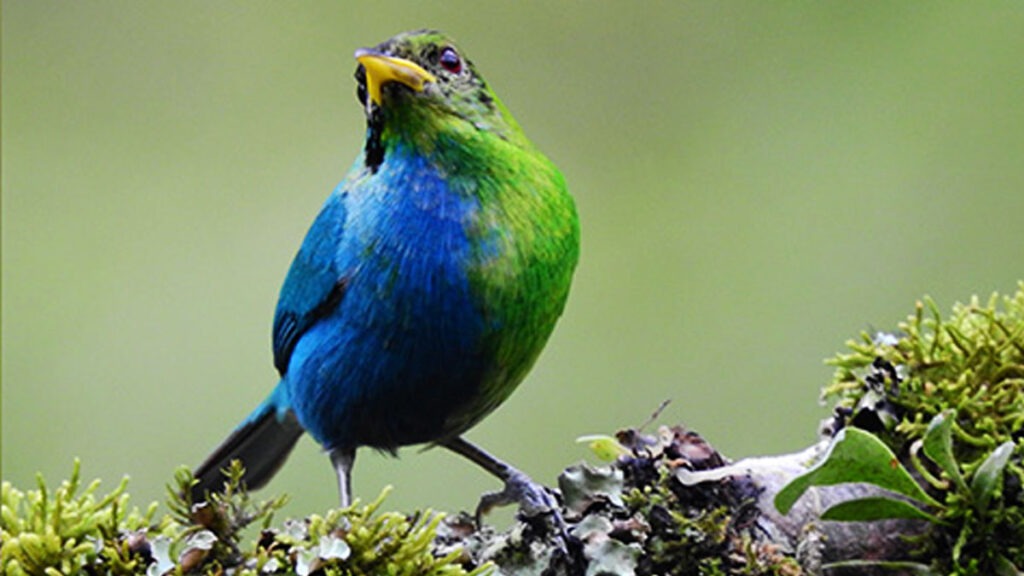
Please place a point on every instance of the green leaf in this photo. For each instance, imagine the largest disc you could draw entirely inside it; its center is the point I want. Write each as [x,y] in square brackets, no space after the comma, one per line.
[604,447]
[855,456]
[988,477]
[1004,567]
[875,508]
[938,446]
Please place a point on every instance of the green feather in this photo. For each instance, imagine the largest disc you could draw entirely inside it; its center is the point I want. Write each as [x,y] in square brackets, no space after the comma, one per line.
[526,230]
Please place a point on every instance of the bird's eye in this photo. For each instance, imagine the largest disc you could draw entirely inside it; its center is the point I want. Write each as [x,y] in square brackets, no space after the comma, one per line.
[450,60]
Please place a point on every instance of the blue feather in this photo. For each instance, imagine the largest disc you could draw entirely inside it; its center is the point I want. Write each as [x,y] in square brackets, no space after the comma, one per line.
[393,358]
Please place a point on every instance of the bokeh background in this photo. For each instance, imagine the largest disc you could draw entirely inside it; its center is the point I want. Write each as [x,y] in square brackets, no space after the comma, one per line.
[757,183]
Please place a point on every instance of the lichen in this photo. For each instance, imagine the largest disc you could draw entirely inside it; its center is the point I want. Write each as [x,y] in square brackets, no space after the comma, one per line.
[638,502]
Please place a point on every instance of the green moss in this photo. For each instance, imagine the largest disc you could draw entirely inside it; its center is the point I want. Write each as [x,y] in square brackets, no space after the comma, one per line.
[66,530]
[74,531]
[946,394]
[972,361]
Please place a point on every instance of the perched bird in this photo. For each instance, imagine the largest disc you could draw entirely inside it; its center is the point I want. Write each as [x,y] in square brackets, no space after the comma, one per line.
[426,287]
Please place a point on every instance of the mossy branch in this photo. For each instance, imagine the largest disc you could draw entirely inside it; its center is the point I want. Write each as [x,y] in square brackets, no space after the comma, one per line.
[918,472]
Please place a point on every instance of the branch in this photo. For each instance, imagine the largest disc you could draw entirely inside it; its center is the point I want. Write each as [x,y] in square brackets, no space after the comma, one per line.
[917,472]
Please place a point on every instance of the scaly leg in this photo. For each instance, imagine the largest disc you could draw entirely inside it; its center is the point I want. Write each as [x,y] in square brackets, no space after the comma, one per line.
[343,460]
[533,499]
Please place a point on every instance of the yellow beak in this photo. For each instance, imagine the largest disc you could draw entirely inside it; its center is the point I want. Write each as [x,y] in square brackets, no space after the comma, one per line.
[381,69]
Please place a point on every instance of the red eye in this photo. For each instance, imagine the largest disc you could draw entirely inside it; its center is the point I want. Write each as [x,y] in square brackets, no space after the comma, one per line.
[450,60]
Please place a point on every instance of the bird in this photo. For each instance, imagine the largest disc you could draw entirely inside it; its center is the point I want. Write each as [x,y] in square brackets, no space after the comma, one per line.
[425,288]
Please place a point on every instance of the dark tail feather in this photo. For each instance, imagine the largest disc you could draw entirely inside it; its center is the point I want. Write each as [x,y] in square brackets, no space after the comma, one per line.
[262,443]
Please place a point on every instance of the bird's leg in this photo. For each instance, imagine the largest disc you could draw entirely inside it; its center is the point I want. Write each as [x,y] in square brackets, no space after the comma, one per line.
[533,499]
[343,460]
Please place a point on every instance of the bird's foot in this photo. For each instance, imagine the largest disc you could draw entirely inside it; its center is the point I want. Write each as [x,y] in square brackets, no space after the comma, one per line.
[537,503]
[533,499]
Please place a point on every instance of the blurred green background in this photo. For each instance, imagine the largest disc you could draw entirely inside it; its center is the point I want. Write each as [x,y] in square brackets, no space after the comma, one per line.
[757,182]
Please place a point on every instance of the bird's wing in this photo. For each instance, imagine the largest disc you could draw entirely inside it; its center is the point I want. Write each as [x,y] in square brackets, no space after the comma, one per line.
[315,284]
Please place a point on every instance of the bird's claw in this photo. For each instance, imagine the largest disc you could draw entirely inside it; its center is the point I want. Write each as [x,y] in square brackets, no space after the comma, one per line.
[535,501]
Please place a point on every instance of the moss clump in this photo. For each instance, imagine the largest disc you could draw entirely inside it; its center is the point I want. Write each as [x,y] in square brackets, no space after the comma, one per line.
[972,361]
[70,530]
[359,541]
[74,531]
[946,394]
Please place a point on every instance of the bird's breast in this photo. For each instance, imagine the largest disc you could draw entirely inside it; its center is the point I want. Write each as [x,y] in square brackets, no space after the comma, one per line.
[454,287]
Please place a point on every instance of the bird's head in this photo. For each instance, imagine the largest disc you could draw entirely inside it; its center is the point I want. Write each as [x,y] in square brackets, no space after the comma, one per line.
[424,74]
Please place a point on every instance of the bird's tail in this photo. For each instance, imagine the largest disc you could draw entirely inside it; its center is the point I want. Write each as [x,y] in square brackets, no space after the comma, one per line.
[262,443]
